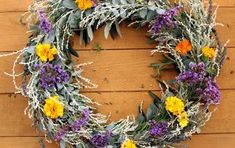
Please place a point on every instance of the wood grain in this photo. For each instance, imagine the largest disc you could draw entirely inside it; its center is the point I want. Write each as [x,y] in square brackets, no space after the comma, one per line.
[123,76]
[132,38]
[23,142]
[212,141]
[121,70]
[224,2]
[117,104]
[202,141]
[14,5]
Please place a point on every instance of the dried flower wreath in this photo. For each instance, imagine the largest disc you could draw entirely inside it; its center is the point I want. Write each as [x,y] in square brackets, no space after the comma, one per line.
[184,32]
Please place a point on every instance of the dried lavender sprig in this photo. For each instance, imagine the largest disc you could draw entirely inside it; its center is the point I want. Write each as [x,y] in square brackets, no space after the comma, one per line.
[44,23]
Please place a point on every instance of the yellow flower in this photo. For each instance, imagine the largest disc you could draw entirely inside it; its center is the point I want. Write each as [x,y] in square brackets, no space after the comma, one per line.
[53,108]
[45,52]
[183,119]
[208,52]
[128,144]
[84,4]
[174,105]
[183,47]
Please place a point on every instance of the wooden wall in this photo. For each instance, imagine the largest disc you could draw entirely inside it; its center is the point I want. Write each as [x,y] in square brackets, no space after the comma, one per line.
[122,73]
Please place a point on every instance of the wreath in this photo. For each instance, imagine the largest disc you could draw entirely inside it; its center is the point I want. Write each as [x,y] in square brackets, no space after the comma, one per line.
[183,31]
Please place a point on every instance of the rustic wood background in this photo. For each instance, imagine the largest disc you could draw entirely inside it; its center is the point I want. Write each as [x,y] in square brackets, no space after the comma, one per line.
[123,76]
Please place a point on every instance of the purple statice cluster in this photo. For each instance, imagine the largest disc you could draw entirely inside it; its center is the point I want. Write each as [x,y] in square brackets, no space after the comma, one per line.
[51,75]
[44,24]
[158,129]
[165,20]
[193,76]
[210,94]
[204,85]
[76,126]
[101,140]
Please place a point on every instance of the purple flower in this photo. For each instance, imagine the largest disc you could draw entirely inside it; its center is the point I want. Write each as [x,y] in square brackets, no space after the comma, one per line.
[50,75]
[204,86]
[36,65]
[100,140]
[198,68]
[58,136]
[193,76]
[165,20]
[158,129]
[76,126]
[188,77]
[44,24]
[211,93]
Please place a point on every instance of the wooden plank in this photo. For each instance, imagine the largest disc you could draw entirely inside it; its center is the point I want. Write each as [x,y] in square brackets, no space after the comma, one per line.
[120,70]
[24,142]
[202,141]
[19,5]
[213,140]
[15,34]
[14,5]
[226,17]
[118,104]
[224,2]
[112,70]
[17,38]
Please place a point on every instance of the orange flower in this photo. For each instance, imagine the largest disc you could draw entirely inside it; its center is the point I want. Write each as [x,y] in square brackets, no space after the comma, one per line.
[183,47]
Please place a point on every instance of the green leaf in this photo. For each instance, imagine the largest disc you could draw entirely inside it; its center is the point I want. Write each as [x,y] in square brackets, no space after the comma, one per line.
[132,1]
[79,146]
[118,29]
[74,19]
[73,52]
[150,16]
[123,2]
[160,11]
[84,37]
[107,30]
[152,7]
[140,118]
[62,22]
[155,98]
[70,4]
[152,112]
[90,32]
[34,28]
[31,49]
[143,13]
[62,144]
[123,13]
[163,85]
[115,2]
[113,31]
[110,127]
